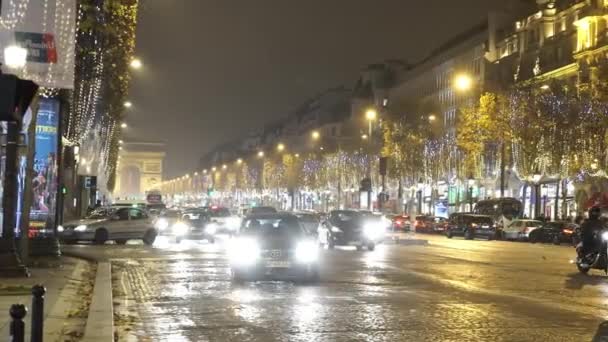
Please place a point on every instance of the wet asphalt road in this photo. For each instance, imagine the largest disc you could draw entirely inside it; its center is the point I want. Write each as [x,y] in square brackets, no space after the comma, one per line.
[448,290]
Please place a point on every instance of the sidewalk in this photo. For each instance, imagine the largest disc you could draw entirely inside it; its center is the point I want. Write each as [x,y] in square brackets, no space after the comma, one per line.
[69,285]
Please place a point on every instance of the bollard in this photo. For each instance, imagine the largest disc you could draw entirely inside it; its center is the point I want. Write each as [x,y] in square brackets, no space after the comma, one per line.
[38,292]
[17,328]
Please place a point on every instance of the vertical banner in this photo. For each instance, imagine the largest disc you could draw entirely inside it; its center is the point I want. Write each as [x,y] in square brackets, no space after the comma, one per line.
[46,30]
[44,185]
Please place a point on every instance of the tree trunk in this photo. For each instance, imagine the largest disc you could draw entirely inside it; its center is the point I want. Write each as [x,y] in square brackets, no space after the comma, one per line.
[29,177]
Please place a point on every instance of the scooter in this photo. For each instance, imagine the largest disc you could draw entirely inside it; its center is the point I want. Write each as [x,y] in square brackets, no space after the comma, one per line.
[596,260]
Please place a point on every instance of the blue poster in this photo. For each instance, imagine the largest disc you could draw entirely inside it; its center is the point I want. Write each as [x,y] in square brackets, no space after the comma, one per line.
[44,185]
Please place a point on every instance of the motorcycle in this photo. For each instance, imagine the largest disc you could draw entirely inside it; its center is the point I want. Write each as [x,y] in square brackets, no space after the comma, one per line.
[597,259]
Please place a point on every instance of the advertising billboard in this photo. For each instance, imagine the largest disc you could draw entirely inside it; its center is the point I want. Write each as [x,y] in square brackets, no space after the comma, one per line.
[44,187]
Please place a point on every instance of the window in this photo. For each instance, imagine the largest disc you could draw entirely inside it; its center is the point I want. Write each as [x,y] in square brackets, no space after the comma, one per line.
[123,214]
[136,214]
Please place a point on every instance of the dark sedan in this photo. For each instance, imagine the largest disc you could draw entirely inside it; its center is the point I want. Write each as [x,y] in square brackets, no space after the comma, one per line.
[351,228]
[554,232]
[471,226]
[273,246]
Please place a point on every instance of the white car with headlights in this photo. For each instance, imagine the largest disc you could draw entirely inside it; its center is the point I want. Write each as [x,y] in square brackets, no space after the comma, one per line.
[352,228]
[273,246]
[193,225]
[118,225]
[221,220]
[165,221]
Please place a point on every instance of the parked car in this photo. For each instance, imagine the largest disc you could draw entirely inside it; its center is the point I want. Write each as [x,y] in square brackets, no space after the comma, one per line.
[273,246]
[401,223]
[120,225]
[351,228]
[520,229]
[554,232]
[470,226]
[429,224]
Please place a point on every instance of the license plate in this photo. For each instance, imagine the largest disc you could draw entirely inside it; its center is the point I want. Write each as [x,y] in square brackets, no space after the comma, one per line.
[485,227]
[278,264]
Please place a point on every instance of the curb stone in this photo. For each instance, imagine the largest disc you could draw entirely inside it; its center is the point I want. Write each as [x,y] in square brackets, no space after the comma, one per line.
[100,323]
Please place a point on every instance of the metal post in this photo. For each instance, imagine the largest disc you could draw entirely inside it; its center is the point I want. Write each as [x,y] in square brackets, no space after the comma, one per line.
[536,200]
[502,170]
[369,166]
[556,210]
[17,327]
[419,202]
[471,199]
[37,328]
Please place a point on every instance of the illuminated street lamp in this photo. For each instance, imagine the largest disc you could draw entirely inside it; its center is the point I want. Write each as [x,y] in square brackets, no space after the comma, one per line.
[123,125]
[239,161]
[205,171]
[463,82]
[136,63]
[261,154]
[432,118]
[315,135]
[195,173]
[120,142]
[224,167]
[280,147]
[214,169]
[297,155]
[364,136]
[15,57]
[128,104]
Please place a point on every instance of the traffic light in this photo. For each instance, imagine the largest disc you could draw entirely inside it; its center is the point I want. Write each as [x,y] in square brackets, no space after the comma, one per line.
[17,94]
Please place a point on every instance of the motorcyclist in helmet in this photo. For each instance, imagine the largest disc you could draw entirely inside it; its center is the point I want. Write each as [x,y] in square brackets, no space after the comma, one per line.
[590,228]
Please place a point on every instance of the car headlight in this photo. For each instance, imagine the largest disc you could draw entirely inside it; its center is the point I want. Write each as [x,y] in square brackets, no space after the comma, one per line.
[307,252]
[243,251]
[211,228]
[179,228]
[60,229]
[162,224]
[605,236]
[81,228]
[372,231]
[336,230]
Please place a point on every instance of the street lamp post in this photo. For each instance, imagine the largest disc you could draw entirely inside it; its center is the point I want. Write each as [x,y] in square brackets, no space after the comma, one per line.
[471,183]
[419,195]
[370,115]
[536,179]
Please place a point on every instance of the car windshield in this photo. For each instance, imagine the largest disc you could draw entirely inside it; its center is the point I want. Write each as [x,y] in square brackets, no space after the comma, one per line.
[171,214]
[219,212]
[100,213]
[272,226]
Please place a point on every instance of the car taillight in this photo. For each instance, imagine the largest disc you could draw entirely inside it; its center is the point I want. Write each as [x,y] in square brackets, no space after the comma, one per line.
[474,225]
[399,222]
[568,231]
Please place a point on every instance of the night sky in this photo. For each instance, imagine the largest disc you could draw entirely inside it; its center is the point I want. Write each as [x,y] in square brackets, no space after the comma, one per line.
[215,69]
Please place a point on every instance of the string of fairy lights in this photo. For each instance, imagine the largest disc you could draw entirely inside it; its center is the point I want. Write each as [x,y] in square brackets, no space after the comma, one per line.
[103,77]
[15,13]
